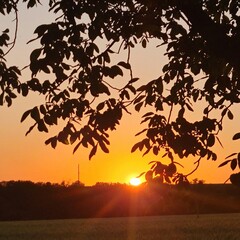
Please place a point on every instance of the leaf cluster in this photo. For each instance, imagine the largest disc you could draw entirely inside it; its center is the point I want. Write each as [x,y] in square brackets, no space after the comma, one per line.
[234,161]
[200,38]
[161,173]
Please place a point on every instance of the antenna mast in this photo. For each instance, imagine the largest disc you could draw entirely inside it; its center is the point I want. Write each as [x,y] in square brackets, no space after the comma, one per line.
[78,174]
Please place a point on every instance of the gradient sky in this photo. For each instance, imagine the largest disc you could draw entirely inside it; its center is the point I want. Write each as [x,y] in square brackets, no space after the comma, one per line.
[27,158]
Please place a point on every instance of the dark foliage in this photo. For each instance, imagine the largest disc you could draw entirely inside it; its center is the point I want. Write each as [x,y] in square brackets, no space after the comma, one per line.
[201,39]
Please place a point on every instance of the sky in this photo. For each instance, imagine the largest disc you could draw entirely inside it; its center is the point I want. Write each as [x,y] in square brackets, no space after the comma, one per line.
[28,158]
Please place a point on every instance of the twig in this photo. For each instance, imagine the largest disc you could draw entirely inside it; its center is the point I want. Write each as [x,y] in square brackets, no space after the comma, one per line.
[15,34]
[106,50]
[185,19]
[128,61]
[170,113]
[130,102]
[119,49]
[226,180]
[198,163]
[118,89]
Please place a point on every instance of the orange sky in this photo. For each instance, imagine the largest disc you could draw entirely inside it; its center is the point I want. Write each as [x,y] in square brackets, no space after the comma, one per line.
[27,158]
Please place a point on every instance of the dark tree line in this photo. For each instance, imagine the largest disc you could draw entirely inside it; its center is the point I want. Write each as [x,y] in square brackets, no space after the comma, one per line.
[27,200]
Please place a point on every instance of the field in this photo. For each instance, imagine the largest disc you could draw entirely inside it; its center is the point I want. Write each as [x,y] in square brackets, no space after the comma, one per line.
[188,227]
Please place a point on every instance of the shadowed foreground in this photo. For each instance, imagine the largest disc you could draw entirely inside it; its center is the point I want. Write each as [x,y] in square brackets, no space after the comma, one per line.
[204,227]
[29,201]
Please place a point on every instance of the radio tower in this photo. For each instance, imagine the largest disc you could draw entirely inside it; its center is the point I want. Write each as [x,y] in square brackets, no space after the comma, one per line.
[78,175]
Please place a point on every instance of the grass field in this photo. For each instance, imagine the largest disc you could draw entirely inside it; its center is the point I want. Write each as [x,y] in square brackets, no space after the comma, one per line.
[191,227]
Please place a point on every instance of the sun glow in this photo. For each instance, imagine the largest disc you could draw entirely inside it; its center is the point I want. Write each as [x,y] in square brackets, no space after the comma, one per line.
[135,181]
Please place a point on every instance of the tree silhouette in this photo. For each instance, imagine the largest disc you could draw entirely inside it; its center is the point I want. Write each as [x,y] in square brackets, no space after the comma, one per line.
[201,39]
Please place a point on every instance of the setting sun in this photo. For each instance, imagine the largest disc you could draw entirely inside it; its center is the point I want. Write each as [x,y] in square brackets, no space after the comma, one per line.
[135,181]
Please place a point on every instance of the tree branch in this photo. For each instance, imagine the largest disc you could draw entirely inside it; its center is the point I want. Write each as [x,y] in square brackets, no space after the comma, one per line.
[215,34]
[15,34]
[195,169]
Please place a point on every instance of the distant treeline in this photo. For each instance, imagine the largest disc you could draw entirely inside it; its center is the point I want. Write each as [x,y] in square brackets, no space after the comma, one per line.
[25,200]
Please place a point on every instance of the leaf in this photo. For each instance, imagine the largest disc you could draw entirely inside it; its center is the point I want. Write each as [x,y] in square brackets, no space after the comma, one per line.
[230,155]
[238,157]
[15,69]
[135,147]
[52,141]
[25,115]
[74,136]
[195,69]
[42,127]
[181,112]
[93,152]
[224,163]
[149,175]
[159,105]
[178,164]
[140,175]
[40,30]
[224,112]
[151,162]
[155,150]
[35,54]
[24,89]
[8,100]
[35,114]
[164,155]
[147,151]
[125,65]
[103,147]
[115,71]
[45,69]
[170,156]
[154,166]
[31,3]
[42,109]
[144,43]
[138,106]
[236,136]
[147,114]
[203,152]
[133,80]
[76,147]
[189,107]
[230,115]
[12,95]
[132,89]
[30,129]
[234,164]
[63,137]
[195,95]
[6,30]
[144,130]
[210,140]
[100,106]
[1,98]
[159,83]
[125,93]
[205,111]
[106,57]
[167,179]
[214,156]
[142,88]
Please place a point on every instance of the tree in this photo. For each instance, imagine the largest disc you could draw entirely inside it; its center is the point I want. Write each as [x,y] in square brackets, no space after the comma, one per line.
[201,39]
